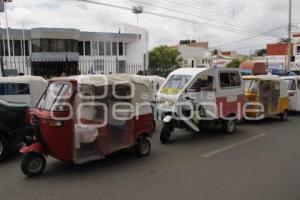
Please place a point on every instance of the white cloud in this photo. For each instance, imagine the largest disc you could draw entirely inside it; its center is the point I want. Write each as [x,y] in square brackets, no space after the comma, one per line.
[250,16]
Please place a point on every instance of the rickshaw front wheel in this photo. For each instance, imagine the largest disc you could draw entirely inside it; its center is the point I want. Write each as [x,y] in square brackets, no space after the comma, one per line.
[33,164]
[143,147]
[229,126]
[165,133]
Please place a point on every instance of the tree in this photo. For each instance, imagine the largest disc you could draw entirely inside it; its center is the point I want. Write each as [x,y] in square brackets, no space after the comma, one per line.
[234,64]
[164,59]
[261,52]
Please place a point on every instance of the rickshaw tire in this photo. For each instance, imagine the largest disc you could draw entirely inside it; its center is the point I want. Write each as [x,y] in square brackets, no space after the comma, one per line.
[140,152]
[284,116]
[26,160]
[6,148]
[165,134]
[225,126]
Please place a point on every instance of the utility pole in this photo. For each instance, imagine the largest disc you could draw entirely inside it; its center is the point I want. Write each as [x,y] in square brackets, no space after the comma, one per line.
[290,49]
[138,10]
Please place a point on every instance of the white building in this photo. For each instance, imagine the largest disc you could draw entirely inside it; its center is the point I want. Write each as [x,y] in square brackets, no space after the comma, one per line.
[52,51]
[195,54]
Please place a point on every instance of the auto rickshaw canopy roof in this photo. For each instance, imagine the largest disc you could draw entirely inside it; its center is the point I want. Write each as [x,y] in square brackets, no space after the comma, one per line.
[22,79]
[263,77]
[291,78]
[102,80]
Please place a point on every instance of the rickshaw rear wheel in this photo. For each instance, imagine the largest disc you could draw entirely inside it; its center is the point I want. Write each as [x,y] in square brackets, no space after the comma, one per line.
[165,133]
[284,116]
[33,164]
[229,126]
[4,148]
[143,147]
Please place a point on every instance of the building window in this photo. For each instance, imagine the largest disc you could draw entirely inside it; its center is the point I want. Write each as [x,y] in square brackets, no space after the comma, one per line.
[101,48]
[108,48]
[45,45]
[26,48]
[121,49]
[80,48]
[94,48]
[298,49]
[36,44]
[75,46]
[69,46]
[61,46]
[17,48]
[114,49]
[53,45]
[185,62]
[87,48]
[125,49]
[5,48]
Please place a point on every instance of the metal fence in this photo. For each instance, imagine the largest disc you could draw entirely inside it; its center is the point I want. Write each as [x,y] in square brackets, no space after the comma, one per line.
[46,67]
[69,66]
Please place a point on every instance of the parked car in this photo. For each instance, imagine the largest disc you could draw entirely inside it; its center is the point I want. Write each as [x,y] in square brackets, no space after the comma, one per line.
[200,98]
[267,96]
[22,89]
[75,120]
[293,83]
[14,127]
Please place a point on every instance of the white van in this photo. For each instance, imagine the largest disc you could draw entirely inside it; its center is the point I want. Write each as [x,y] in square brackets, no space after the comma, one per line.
[22,89]
[200,93]
[293,91]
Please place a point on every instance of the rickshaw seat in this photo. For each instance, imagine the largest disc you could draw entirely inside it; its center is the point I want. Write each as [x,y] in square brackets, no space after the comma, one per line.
[85,135]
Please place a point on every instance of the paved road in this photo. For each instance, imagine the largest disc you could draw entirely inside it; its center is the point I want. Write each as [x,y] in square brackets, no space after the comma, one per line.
[260,162]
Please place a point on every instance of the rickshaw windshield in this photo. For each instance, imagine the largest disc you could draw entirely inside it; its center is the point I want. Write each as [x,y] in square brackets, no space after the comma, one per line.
[175,84]
[56,92]
[251,86]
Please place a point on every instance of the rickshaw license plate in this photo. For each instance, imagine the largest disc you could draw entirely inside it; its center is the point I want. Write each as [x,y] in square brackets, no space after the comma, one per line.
[231,98]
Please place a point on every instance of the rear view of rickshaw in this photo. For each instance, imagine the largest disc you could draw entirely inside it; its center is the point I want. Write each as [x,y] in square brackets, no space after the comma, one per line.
[266,96]
[84,118]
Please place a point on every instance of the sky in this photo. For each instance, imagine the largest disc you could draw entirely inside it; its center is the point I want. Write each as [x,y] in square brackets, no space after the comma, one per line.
[239,25]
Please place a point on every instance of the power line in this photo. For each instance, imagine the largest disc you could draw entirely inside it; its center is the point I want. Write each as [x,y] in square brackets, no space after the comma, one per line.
[178,18]
[177,11]
[208,10]
[248,47]
[249,38]
[225,6]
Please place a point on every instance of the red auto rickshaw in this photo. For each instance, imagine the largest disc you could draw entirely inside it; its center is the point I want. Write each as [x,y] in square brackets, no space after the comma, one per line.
[84,118]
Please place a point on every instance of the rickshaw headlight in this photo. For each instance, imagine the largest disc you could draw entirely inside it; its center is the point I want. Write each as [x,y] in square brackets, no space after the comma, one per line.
[61,108]
[55,123]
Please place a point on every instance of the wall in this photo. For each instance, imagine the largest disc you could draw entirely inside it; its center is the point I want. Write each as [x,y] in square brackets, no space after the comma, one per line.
[136,51]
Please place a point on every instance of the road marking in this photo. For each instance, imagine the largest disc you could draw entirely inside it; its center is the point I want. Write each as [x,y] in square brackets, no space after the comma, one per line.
[215,152]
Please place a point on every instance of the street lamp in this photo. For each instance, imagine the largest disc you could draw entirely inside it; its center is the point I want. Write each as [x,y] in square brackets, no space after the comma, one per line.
[138,10]
[3,9]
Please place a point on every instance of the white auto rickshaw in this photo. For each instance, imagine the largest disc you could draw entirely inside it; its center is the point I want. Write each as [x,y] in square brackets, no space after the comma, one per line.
[293,83]
[200,98]
[22,89]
